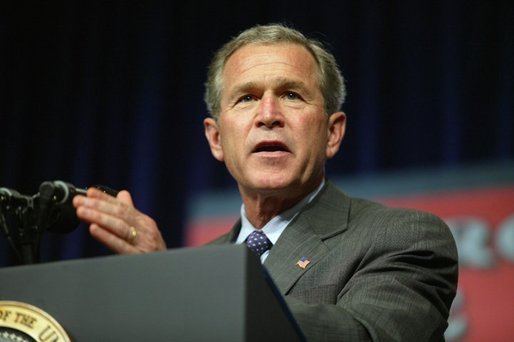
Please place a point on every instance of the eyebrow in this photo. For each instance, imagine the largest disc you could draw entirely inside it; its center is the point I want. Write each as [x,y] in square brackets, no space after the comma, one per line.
[285,83]
[281,83]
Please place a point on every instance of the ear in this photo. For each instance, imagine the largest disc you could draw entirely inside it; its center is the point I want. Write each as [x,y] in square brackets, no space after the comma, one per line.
[336,130]
[212,134]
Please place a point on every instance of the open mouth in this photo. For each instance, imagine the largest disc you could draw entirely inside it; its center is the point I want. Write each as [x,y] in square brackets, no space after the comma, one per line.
[270,146]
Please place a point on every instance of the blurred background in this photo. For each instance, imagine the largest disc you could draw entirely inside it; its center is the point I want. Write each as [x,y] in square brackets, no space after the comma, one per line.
[112,93]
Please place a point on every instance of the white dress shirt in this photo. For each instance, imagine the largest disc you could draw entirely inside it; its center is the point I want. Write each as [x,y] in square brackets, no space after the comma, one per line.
[277,224]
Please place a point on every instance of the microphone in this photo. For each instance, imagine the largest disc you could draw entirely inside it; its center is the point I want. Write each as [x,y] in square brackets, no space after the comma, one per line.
[12,198]
[58,191]
[106,190]
[56,212]
[51,208]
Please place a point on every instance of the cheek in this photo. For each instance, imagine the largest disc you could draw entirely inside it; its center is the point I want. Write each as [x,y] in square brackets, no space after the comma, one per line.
[232,144]
[314,135]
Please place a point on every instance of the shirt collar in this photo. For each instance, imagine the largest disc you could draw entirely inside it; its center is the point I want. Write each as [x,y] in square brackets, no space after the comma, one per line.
[274,228]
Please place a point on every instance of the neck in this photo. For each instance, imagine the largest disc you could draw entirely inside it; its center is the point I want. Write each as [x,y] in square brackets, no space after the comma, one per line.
[261,207]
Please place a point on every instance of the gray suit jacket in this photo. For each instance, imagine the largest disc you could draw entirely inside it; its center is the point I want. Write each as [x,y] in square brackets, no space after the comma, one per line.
[375,273]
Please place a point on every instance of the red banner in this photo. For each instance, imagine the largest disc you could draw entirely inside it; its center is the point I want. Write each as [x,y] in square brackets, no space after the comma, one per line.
[482,222]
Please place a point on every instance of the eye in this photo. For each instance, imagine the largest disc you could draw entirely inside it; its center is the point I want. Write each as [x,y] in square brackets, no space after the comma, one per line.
[246,98]
[291,95]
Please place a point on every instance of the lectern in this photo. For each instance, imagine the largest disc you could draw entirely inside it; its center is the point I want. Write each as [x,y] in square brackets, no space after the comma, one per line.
[213,293]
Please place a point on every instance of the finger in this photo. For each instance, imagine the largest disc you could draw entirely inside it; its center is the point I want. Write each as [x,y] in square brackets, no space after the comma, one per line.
[110,206]
[111,241]
[91,195]
[123,196]
[78,200]
[115,215]
[112,223]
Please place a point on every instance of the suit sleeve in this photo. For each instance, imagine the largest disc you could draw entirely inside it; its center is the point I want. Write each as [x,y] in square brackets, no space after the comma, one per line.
[400,290]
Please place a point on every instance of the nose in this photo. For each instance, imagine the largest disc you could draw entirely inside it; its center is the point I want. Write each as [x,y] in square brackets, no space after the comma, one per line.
[269,113]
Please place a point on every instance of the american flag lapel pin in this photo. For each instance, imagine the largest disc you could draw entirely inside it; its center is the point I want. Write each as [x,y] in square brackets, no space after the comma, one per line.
[303,262]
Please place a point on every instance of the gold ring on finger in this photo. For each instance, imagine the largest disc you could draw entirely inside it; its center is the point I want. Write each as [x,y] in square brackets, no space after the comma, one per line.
[132,235]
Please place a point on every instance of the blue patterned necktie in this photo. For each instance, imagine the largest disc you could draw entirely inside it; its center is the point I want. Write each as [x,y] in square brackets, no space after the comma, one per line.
[258,242]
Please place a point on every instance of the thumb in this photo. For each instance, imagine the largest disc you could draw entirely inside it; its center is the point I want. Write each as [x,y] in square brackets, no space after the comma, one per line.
[124,196]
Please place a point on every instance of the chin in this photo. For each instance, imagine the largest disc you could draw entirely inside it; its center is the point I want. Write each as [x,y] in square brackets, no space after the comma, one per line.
[272,183]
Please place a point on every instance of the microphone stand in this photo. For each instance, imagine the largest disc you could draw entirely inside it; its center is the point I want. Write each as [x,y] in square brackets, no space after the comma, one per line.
[19,228]
[29,217]
[24,219]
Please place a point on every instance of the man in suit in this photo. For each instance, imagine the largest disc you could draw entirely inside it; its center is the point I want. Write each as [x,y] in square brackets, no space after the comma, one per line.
[349,269]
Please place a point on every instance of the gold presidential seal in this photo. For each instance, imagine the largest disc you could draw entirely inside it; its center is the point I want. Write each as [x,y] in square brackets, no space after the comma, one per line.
[21,322]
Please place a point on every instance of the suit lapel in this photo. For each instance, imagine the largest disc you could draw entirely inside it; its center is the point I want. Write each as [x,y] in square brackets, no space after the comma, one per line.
[296,242]
[306,236]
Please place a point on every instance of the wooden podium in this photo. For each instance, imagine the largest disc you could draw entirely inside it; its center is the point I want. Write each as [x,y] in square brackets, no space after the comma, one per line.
[213,293]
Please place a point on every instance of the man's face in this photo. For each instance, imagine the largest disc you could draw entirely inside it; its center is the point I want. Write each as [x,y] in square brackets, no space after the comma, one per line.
[272,132]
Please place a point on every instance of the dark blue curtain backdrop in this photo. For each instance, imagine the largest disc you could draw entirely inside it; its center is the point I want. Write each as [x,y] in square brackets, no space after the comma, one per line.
[111,93]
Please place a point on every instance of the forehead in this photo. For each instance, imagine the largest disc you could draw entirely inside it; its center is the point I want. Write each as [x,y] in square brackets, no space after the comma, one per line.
[254,61]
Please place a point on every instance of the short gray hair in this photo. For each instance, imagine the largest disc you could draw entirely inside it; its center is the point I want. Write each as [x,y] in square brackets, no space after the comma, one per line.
[330,80]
